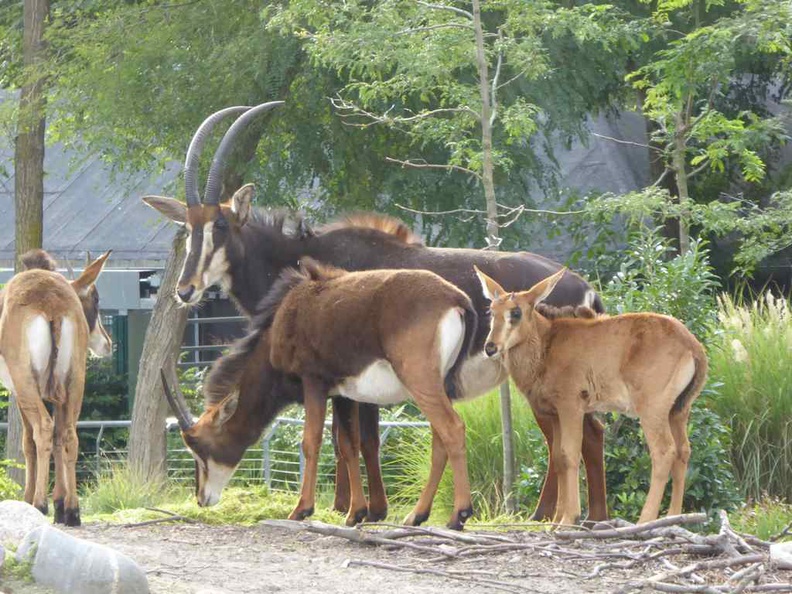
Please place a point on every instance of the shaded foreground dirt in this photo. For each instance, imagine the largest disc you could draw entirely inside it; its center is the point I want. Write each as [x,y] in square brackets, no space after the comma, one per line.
[195,558]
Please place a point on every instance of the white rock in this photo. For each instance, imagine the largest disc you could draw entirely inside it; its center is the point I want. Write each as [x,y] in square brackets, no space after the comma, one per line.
[17,518]
[68,564]
[781,555]
[2,556]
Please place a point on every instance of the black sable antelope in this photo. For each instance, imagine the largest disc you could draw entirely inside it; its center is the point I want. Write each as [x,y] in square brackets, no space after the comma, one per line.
[244,250]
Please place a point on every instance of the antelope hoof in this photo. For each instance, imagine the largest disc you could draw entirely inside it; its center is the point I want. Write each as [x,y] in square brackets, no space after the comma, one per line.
[377,515]
[416,518]
[60,517]
[357,517]
[300,514]
[43,508]
[72,517]
[459,518]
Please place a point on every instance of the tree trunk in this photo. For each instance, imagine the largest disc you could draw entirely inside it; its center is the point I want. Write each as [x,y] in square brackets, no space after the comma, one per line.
[29,175]
[147,445]
[680,169]
[493,241]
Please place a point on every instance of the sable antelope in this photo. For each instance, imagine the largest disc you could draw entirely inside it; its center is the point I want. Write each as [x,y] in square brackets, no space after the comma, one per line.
[377,336]
[47,326]
[644,364]
[245,249]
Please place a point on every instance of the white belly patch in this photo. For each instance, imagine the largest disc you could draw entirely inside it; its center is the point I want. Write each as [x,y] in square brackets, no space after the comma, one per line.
[377,384]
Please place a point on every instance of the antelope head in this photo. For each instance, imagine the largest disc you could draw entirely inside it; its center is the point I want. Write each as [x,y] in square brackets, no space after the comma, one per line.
[211,226]
[513,318]
[215,450]
[99,342]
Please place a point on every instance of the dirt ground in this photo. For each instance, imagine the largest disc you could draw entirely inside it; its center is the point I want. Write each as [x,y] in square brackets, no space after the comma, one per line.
[195,558]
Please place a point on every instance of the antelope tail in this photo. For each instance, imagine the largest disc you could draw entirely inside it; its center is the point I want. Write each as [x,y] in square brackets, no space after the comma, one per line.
[694,387]
[51,386]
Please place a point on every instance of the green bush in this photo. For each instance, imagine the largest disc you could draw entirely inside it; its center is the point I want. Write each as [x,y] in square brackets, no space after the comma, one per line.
[751,357]
[709,485]
[8,488]
[648,279]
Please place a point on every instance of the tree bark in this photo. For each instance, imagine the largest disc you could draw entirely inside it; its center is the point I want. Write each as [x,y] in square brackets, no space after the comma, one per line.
[28,175]
[147,438]
[680,170]
[493,241]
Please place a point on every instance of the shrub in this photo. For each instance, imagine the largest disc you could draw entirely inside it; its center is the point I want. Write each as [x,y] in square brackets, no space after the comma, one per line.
[8,487]
[751,357]
[649,279]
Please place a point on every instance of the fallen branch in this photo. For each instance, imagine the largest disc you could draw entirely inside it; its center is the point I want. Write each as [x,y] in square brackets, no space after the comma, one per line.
[441,573]
[172,517]
[633,530]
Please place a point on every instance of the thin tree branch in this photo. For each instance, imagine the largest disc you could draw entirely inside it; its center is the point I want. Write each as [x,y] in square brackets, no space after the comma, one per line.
[628,142]
[414,165]
[661,178]
[700,168]
[464,13]
[435,27]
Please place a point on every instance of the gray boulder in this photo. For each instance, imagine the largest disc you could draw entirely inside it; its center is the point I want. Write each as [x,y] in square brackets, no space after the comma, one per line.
[17,518]
[781,555]
[2,556]
[69,564]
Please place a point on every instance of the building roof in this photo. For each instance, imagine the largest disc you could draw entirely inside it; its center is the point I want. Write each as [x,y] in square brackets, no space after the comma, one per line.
[87,208]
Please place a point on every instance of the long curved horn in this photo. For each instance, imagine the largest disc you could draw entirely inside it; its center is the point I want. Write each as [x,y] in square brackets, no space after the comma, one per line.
[214,180]
[178,404]
[194,151]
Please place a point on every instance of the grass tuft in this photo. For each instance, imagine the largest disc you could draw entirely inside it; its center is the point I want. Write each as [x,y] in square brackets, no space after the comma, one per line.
[122,488]
[765,519]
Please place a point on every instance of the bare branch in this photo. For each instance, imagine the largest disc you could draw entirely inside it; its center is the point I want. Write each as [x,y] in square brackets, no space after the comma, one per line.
[628,142]
[699,169]
[661,178]
[356,111]
[435,27]
[416,165]
[459,11]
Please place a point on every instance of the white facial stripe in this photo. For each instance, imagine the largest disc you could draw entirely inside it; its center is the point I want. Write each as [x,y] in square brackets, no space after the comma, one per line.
[217,478]
[217,269]
[206,249]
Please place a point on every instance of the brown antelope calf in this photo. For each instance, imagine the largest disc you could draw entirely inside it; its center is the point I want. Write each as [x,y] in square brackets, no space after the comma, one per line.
[47,326]
[376,336]
[645,365]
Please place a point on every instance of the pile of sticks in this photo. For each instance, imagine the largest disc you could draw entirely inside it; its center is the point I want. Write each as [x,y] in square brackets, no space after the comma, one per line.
[666,556]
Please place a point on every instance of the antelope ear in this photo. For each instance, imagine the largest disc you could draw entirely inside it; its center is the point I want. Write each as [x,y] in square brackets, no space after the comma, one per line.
[90,274]
[491,289]
[170,207]
[227,408]
[240,203]
[541,290]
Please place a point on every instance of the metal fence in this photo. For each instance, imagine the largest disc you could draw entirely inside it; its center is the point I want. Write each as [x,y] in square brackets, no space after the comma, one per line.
[276,461]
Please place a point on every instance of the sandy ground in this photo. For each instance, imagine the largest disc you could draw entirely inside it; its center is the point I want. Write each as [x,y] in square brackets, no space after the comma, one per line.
[195,558]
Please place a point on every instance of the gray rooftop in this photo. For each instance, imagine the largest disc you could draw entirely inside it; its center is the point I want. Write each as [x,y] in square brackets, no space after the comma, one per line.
[87,209]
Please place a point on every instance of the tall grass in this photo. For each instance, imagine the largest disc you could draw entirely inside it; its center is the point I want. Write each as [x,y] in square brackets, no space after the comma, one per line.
[751,356]
[410,463]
